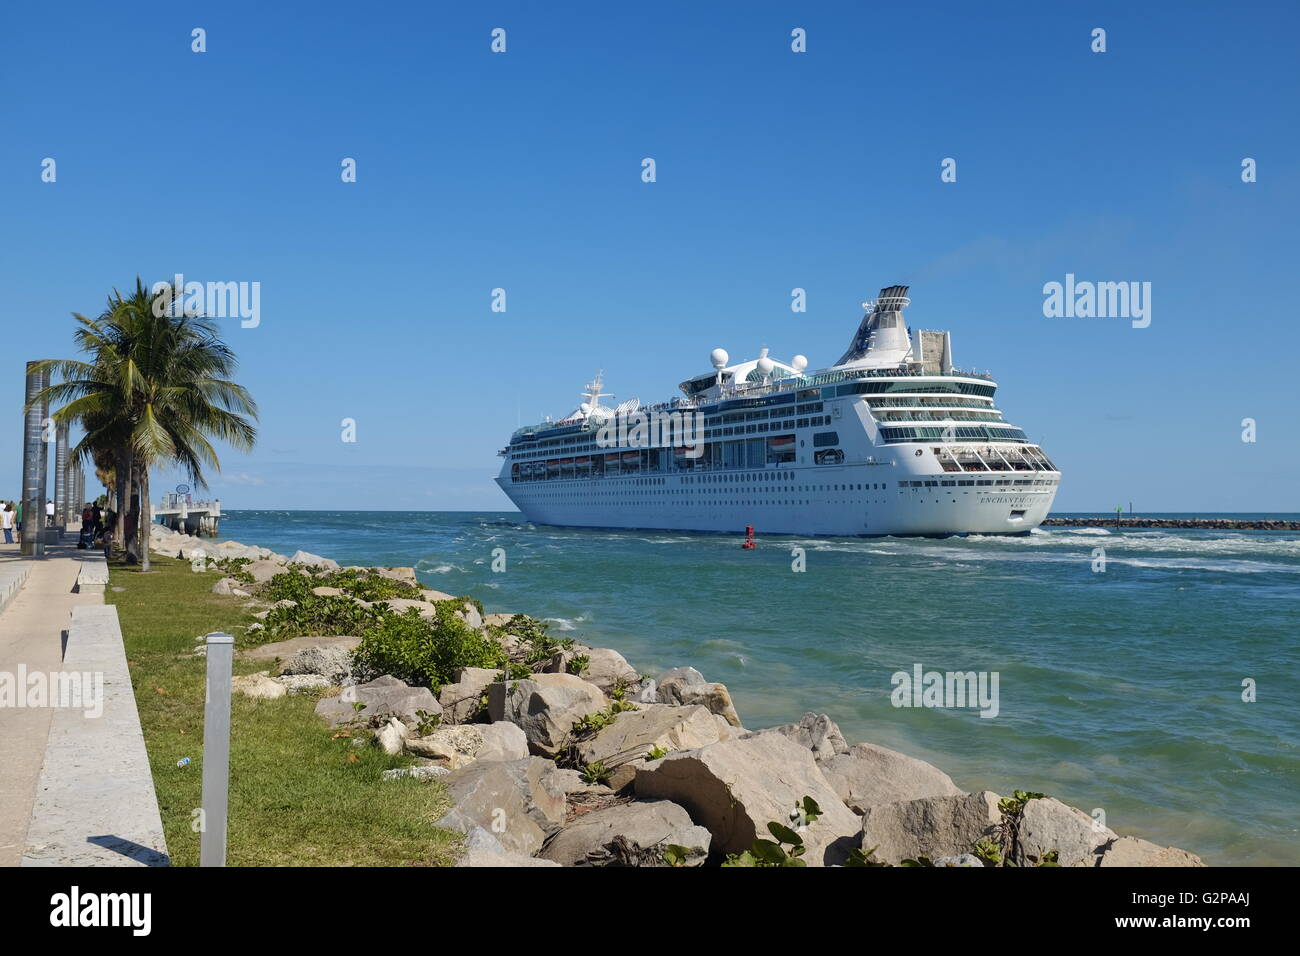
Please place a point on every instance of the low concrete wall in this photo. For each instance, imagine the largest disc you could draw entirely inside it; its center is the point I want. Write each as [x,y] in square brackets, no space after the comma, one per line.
[95,803]
[93,576]
[13,575]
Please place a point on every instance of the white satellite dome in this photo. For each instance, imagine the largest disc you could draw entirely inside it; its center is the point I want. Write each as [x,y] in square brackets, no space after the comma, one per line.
[799,363]
[765,365]
[719,358]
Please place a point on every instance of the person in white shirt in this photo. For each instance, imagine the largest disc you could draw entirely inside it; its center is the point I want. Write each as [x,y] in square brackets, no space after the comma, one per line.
[49,508]
[7,521]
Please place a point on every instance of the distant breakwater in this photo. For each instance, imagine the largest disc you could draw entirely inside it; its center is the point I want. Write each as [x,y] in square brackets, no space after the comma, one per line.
[1206,524]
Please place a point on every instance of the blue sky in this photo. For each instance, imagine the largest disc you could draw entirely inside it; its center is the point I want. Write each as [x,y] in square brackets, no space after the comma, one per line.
[775,170]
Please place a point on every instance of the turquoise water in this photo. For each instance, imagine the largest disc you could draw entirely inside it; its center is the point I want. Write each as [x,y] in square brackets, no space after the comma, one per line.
[1118,690]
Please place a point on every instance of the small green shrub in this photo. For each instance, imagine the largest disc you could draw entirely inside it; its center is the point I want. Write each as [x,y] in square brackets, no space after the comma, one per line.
[422,651]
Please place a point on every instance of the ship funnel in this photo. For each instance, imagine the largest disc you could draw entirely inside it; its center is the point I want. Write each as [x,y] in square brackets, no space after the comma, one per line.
[882,329]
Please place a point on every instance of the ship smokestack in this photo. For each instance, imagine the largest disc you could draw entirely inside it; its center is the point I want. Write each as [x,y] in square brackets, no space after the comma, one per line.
[886,313]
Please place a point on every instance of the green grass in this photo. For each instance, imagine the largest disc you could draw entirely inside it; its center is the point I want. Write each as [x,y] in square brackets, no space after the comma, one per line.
[298,797]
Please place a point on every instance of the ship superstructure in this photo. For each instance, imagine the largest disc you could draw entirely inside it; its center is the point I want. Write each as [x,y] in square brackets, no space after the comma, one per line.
[891,440]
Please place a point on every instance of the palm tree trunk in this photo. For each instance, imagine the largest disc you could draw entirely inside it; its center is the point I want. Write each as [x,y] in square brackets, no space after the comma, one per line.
[123,498]
[143,528]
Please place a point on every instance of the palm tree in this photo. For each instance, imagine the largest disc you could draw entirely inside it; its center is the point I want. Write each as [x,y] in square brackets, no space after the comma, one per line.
[157,389]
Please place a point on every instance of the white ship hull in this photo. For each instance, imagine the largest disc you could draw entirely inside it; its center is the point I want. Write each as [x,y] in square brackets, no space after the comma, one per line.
[835,505]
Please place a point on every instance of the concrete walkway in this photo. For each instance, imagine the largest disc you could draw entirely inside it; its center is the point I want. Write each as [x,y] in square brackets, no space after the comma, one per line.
[32,630]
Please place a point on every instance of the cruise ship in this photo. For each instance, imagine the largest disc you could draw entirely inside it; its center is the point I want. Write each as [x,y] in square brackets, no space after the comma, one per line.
[891,440]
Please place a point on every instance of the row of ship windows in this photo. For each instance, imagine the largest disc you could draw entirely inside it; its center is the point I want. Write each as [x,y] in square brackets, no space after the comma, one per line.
[1020,482]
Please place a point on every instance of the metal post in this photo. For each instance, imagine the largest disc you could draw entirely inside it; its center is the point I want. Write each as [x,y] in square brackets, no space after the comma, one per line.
[216,750]
[61,479]
[33,536]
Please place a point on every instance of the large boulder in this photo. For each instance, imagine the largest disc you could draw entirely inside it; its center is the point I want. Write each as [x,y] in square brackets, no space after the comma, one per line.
[313,560]
[545,706]
[502,741]
[608,669]
[462,700]
[404,575]
[817,732]
[932,826]
[265,569]
[433,597]
[1130,851]
[453,746]
[736,788]
[482,849]
[332,661]
[517,801]
[495,620]
[287,650]
[382,697]
[683,690]
[635,733]
[651,823]
[1048,824]
[869,775]
[402,605]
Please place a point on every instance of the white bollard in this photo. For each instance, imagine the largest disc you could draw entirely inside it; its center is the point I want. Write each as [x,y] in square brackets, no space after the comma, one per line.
[216,750]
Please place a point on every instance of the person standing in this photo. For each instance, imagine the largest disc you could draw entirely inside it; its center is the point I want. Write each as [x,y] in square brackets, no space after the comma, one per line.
[49,511]
[7,520]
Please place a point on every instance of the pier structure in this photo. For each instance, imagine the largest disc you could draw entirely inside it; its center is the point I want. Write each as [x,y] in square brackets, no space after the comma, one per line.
[179,513]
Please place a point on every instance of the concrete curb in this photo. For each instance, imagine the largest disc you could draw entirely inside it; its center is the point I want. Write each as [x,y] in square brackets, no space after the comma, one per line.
[92,578]
[12,578]
[95,802]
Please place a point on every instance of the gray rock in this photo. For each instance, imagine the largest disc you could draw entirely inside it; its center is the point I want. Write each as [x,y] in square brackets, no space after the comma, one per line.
[517,801]
[652,823]
[607,669]
[404,575]
[633,734]
[304,683]
[1048,824]
[461,701]
[383,697]
[330,661]
[1130,851]
[327,592]
[502,741]
[285,650]
[546,707]
[265,569]
[423,772]
[869,775]
[688,675]
[391,736]
[966,859]
[932,826]
[736,787]
[684,690]
[257,685]
[817,732]
[313,560]
[483,849]
[470,615]
[225,586]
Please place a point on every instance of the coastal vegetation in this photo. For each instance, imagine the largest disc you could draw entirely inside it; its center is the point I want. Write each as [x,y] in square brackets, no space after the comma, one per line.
[154,388]
[299,795]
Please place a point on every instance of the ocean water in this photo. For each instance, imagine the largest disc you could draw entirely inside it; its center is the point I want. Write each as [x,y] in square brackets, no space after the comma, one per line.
[1119,690]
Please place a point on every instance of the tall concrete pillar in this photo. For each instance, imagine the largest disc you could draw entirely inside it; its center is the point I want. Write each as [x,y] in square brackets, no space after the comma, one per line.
[61,479]
[34,466]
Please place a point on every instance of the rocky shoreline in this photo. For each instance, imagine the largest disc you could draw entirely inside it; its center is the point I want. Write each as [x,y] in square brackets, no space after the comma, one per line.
[560,754]
[1204,524]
